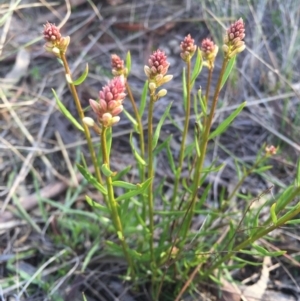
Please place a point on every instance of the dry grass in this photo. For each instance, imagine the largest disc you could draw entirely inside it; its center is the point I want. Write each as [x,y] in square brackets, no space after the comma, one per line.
[47,245]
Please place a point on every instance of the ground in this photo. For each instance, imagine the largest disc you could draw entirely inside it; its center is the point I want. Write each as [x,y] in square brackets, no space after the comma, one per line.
[39,147]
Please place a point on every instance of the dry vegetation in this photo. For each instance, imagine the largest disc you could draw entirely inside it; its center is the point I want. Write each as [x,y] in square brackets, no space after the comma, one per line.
[49,250]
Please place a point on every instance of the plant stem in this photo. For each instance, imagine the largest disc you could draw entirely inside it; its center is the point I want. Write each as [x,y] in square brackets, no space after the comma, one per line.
[142,140]
[81,116]
[151,175]
[210,72]
[184,134]
[203,147]
[113,204]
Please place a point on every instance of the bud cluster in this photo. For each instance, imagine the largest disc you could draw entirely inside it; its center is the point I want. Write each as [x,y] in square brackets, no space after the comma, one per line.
[209,51]
[188,48]
[233,39]
[118,66]
[55,43]
[110,103]
[156,72]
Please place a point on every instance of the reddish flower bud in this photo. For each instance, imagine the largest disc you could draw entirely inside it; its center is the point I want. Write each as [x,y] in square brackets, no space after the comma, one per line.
[157,64]
[118,66]
[56,44]
[209,52]
[188,48]
[271,150]
[110,102]
[157,69]
[233,39]
[51,33]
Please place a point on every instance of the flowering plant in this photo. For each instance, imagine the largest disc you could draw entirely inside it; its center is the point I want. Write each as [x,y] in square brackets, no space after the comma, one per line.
[162,250]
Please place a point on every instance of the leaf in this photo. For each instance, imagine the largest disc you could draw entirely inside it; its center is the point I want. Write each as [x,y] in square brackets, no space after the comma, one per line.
[135,152]
[197,67]
[66,113]
[125,185]
[143,99]
[128,61]
[160,124]
[82,78]
[94,204]
[224,125]
[121,173]
[91,179]
[135,192]
[202,102]
[132,120]
[227,71]
[273,214]
[106,170]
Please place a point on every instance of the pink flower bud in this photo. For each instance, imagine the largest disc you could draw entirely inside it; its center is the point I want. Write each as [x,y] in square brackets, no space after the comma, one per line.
[188,48]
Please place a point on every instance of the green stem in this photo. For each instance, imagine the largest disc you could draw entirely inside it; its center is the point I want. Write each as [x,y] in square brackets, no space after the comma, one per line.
[210,72]
[81,116]
[113,204]
[184,134]
[142,140]
[203,147]
[151,176]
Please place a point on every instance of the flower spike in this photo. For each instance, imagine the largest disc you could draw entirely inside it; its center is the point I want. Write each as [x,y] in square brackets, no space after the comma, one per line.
[188,48]
[233,39]
[209,51]
[55,43]
[110,103]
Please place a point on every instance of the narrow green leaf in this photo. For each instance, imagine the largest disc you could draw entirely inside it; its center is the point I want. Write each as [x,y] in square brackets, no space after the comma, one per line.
[263,169]
[91,179]
[162,146]
[83,76]
[128,61]
[132,120]
[83,296]
[121,173]
[66,113]
[106,171]
[170,156]
[273,213]
[228,70]
[197,67]
[96,205]
[143,99]
[224,125]
[89,256]
[293,222]
[108,140]
[202,102]
[135,152]
[126,185]
[260,250]
[160,124]
[135,192]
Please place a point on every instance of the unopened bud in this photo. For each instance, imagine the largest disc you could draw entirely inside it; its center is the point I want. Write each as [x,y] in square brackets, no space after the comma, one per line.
[88,121]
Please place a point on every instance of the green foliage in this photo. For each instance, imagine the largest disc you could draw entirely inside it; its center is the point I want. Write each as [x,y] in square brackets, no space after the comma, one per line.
[134,207]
